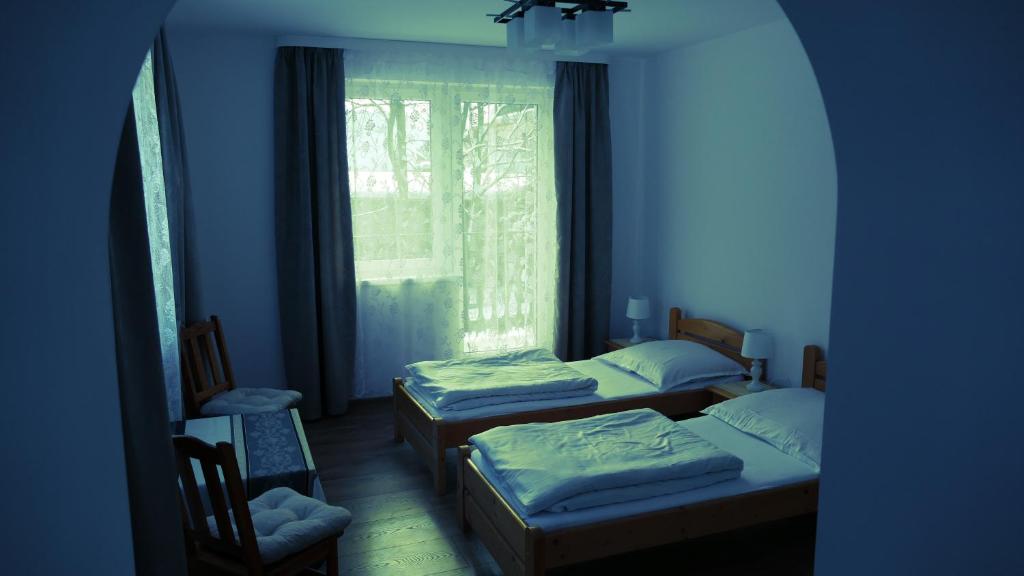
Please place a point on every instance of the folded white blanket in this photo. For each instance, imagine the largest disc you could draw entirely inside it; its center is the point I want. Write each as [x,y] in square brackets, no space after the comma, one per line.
[606,459]
[642,491]
[524,375]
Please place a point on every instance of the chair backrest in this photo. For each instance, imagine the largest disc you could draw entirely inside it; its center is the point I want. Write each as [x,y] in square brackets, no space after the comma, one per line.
[215,461]
[205,365]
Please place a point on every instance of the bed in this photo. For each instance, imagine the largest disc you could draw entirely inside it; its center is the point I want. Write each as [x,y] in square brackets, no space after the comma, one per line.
[431,433]
[773,486]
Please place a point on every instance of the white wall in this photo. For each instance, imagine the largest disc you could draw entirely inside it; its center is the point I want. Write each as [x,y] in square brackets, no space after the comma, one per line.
[226,83]
[741,208]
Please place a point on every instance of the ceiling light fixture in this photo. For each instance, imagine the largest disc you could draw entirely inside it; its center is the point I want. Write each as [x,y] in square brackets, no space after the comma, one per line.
[560,25]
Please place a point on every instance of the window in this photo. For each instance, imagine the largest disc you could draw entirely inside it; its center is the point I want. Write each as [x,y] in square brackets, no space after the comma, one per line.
[451,181]
[499,153]
[391,181]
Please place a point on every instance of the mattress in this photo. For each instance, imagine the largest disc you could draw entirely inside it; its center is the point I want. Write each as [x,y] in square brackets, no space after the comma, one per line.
[764,467]
[613,384]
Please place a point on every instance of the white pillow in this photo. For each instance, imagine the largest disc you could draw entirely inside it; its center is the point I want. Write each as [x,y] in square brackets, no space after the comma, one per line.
[788,418]
[670,363]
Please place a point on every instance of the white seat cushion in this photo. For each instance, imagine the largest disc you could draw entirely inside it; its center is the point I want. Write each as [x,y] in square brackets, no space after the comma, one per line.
[250,401]
[287,522]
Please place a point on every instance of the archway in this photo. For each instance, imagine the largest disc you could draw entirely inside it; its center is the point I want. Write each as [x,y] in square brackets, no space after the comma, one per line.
[59,145]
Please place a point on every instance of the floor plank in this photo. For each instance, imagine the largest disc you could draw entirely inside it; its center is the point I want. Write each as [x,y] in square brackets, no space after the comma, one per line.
[391,505]
[401,530]
[401,527]
[416,559]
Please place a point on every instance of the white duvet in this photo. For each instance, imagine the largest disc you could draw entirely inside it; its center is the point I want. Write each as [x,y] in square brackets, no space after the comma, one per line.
[525,375]
[606,459]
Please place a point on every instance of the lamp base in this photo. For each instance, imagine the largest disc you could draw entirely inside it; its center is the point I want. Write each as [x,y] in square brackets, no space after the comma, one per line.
[755,386]
[636,339]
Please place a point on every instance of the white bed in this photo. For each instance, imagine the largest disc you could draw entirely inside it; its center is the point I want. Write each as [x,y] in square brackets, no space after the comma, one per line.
[765,467]
[777,434]
[613,384]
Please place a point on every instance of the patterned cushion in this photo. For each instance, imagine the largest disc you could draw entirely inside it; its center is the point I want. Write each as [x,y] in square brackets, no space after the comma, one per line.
[287,522]
[250,401]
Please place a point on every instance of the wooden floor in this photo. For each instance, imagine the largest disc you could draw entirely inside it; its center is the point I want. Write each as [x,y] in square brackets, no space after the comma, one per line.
[400,527]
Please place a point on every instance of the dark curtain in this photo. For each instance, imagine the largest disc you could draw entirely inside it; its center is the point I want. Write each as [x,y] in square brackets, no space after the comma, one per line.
[315,265]
[583,184]
[157,534]
[177,186]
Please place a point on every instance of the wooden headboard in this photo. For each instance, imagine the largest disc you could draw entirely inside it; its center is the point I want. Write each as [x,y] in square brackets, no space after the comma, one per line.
[815,368]
[714,335]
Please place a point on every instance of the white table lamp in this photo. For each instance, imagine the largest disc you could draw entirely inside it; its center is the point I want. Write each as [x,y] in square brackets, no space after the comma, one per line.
[638,309]
[757,345]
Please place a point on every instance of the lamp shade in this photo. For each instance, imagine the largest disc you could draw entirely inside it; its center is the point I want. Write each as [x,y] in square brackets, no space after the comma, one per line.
[514,34]
[757,344]
[594,28]
[638,308]
[543,26]
[567,41]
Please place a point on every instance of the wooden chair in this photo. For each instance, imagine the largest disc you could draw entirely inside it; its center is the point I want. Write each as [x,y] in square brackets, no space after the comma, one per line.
[209,383]
[230,542]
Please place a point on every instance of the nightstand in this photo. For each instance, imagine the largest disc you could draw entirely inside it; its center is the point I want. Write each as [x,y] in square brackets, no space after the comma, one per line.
[620,343]
[723,392]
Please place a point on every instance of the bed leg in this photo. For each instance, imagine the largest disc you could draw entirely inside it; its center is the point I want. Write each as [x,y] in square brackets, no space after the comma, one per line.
[398,430]
[440,478]
[332,558]
[535,558]
[460,496]
[396,388]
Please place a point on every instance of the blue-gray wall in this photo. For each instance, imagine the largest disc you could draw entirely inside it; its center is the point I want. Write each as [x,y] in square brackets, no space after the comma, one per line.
[739,219]
[630,185]
[226,82]
[922,451]
[66,74]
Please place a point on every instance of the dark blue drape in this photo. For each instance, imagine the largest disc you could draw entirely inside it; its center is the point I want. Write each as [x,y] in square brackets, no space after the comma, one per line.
[315,264]
[157,535]
[583,184]
[177,186]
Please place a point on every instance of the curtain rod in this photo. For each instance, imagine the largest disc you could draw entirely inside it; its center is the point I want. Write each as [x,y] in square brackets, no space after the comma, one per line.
[373,44]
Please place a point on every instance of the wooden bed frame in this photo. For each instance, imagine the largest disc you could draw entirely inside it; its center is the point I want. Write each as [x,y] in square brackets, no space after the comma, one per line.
[431,435]
[522,549]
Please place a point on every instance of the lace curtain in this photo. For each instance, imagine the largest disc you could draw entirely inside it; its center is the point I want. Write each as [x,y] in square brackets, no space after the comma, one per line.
[144,102]
[451,174]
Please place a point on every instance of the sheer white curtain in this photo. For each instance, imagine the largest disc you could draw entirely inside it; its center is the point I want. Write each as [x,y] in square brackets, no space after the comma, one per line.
[144,103]
[453,206]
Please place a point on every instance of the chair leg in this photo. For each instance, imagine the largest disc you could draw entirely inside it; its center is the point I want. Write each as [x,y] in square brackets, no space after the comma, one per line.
[332,559]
